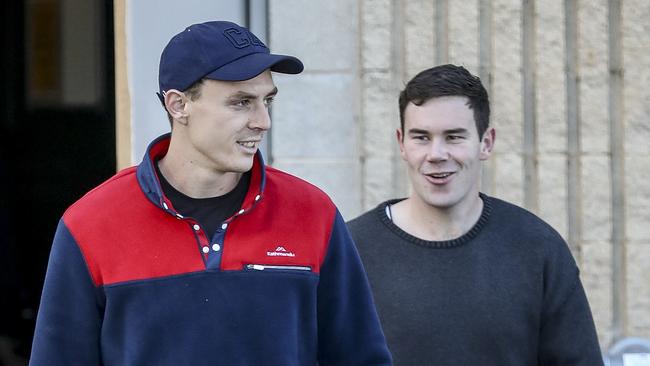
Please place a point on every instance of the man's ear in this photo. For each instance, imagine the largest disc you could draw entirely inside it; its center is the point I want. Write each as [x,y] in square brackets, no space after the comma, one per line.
[487,143]
[399,134]
[175,103]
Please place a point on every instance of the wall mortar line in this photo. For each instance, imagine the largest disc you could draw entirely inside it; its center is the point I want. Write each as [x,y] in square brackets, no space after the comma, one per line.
[617,171]
[531,180]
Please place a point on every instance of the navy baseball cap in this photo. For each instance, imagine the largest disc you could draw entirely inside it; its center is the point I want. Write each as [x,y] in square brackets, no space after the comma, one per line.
[217,50]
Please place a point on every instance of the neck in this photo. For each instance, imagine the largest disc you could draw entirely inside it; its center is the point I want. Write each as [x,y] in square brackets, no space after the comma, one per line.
[432,223]
[192,179]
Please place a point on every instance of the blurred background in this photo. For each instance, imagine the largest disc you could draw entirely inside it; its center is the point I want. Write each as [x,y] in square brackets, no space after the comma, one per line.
[567,81]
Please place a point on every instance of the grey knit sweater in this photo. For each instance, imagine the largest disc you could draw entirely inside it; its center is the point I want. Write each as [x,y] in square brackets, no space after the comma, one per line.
[506,293]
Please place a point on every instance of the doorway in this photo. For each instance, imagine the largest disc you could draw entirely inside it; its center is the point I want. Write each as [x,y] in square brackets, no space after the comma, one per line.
[57,128]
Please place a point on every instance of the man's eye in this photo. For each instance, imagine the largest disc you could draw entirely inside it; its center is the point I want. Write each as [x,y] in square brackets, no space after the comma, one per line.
[268,101]
[243,103]
[454,137]
[421,137]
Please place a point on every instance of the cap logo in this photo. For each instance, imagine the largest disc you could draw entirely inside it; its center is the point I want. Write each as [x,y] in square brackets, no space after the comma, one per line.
[242,39]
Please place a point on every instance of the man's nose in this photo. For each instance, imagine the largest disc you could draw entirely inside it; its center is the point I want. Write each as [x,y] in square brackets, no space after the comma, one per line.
[260,119]
[438,150]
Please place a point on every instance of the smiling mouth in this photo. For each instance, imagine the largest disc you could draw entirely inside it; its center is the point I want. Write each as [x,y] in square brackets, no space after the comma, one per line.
[439,175]
[248,144]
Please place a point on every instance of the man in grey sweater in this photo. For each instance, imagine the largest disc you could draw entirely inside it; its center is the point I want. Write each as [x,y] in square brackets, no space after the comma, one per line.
[461,278]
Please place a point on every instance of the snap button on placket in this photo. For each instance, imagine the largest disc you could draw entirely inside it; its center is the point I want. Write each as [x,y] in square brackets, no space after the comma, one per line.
[205,248]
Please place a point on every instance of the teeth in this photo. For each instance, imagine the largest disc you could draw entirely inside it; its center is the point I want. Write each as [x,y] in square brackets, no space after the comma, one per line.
[441,175]
[247,143]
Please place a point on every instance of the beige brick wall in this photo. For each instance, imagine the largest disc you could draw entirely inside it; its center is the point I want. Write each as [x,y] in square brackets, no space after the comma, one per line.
[316,116]
[394,39]
[636,48]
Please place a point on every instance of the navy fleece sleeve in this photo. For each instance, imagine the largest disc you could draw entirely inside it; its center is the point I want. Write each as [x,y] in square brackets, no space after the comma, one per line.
[349,332]
[69,320]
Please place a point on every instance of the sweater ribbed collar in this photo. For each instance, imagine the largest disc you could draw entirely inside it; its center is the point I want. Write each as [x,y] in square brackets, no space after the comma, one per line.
[461,240]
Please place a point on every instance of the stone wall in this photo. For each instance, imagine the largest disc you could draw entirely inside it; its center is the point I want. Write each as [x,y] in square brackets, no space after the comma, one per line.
[568,82]
[316,115]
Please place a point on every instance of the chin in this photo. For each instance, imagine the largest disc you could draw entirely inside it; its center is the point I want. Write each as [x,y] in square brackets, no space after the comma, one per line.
[243,166]
[440,200]
[234,165]
[441,203]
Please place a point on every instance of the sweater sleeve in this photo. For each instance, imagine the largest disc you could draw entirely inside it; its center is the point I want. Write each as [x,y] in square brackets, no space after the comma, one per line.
[349,332]
[69,317]
[567,334]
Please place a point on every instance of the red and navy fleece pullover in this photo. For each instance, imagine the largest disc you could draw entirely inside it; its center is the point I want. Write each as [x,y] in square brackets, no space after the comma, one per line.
[131,281]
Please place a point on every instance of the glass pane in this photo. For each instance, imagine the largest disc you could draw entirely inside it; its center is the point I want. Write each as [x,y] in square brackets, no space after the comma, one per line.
[63,51]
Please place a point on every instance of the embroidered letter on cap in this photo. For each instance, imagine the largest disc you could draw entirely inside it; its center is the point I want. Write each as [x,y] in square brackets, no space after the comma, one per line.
[242,38]
[236,38]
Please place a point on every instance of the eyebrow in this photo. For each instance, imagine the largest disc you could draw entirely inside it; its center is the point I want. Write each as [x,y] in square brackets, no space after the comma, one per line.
[456,131]
[246,95]
[453,131]
[417,131]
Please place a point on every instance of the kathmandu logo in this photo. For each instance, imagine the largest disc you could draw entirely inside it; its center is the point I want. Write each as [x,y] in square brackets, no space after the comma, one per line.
[280,251]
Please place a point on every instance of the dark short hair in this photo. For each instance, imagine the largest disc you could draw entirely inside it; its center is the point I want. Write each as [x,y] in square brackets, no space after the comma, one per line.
[193,92]
[448,80]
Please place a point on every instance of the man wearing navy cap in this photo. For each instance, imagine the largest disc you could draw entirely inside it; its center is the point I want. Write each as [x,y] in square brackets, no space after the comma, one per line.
[201,254]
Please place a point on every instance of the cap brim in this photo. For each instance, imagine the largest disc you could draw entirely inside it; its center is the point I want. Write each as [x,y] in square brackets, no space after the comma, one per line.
[251,65]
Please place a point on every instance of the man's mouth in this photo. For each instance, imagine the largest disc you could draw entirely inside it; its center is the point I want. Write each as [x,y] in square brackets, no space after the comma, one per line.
[440,175]
[250,144]
[439,178]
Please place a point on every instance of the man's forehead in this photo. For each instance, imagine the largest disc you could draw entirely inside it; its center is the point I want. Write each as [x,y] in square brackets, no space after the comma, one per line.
[440,114]
[259,85]
[445,100]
